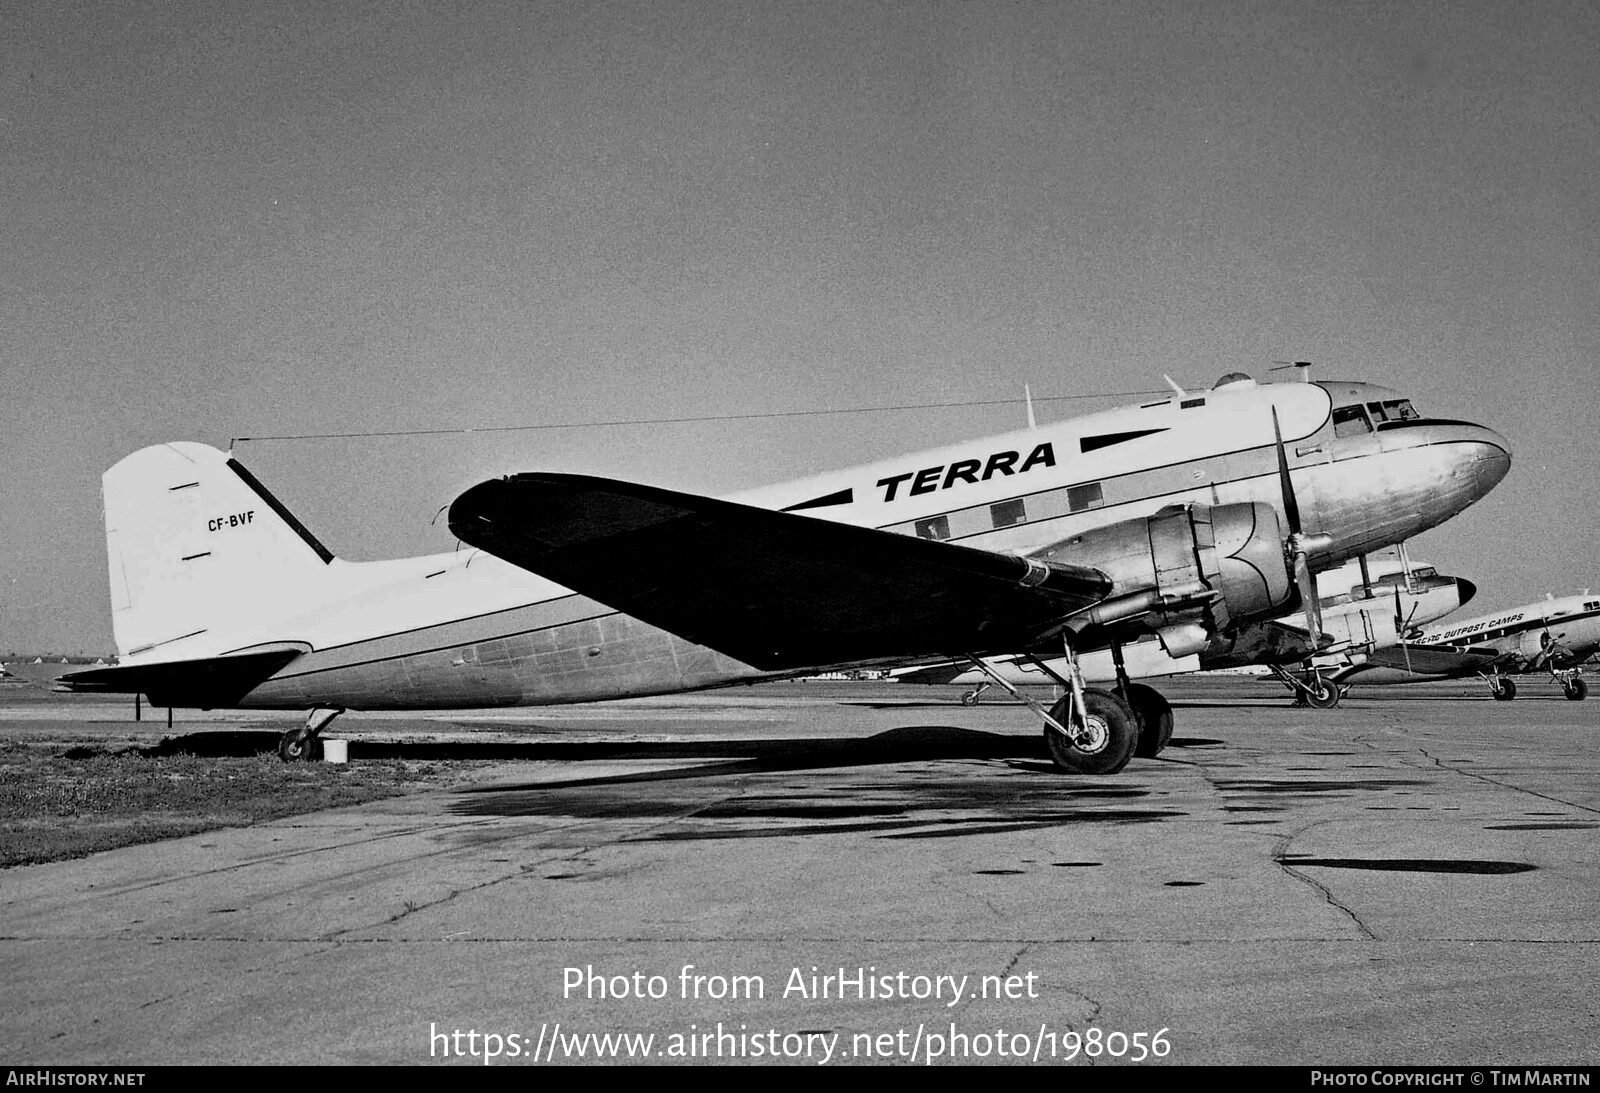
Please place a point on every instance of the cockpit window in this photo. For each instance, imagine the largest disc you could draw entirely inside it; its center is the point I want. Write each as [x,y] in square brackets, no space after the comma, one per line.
[1350,421]
[1393,410]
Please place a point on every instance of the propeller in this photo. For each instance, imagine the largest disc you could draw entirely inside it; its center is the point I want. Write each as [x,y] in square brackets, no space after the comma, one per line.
[1401,625]
[1551,650]
[1297,545]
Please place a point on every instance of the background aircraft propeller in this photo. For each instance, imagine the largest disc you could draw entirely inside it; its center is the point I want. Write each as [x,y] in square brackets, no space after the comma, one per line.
[1401,625]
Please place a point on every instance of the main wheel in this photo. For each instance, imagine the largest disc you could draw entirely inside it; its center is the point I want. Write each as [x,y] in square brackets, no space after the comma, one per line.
[969,698]
[1154,714]
[1325,697]
[1505,692]
[1108,739]
[1577,690]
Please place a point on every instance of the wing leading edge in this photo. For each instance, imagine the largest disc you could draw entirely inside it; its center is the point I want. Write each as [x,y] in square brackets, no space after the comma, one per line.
[775,590]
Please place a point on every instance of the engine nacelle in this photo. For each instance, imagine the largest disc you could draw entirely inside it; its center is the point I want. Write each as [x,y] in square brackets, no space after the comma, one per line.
[1227,557]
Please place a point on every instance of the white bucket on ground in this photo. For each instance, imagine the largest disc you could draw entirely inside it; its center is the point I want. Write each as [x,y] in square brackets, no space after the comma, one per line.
[335,751]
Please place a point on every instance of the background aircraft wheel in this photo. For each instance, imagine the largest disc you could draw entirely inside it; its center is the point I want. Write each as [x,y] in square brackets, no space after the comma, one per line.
[969,698]
[1326,697]
[1505,692]
[1154,715]
[1113,733]
[1577,690]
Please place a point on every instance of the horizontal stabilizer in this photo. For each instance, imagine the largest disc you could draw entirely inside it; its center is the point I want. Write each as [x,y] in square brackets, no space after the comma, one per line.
[206,684]
[1431,660]
[772,589]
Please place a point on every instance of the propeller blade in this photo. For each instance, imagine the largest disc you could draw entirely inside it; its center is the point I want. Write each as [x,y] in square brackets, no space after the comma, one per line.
[1297,545]
[1401,626]
[1291,507]
[1307,582]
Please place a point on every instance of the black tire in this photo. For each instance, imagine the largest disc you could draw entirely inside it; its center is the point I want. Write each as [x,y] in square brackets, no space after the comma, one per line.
[295,745]
[1505,692]
[969,698]
[1112,725]
[1577,690]
[1154,714]
[1326,698]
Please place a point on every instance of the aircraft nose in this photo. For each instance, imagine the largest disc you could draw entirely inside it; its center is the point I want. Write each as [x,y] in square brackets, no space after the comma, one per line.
[1493,459]
[1465,590]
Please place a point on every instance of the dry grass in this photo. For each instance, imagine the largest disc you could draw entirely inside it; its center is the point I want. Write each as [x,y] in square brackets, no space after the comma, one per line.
[53,807]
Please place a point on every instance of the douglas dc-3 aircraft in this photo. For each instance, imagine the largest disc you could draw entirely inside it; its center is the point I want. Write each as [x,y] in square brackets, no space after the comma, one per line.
[1367,605]
[1183,517]
[1554,635]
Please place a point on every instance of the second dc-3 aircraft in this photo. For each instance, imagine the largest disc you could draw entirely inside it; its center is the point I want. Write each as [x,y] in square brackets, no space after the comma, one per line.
[1554,635]
[1183,518]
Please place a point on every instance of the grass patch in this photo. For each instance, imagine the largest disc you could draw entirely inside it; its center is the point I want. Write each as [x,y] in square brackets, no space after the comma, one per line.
[53,808]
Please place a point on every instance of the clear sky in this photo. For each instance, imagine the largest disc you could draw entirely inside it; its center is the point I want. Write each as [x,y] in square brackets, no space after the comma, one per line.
[226,220]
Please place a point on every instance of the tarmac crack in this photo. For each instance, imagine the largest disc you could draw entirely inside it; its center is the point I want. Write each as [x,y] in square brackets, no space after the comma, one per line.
[1487,780]
[1327,893]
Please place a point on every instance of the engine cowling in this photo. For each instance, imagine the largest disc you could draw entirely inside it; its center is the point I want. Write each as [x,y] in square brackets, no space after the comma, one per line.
[1227,559]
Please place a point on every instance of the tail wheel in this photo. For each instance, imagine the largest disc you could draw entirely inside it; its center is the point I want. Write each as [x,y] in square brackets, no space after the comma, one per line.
[1154,716]
[1505,692]
[1577,690]
[295,745]
[1104,745]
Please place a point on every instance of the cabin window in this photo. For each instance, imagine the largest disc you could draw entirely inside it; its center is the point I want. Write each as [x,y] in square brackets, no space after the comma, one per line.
[934,527]
[1007,513]
[1350,421]
[1086,496]
[1592,605]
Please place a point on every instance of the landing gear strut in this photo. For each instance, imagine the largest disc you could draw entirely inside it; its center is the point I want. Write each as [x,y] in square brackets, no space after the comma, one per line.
[302,743]
[970,698]
[1313,690]
[1086,731]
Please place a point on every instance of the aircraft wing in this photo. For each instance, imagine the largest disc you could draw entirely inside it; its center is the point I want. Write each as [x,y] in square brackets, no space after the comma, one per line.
[208,682]
[1433,660]
[775,590]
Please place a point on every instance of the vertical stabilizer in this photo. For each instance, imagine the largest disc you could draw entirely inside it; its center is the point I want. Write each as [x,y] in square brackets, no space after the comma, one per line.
[194,542]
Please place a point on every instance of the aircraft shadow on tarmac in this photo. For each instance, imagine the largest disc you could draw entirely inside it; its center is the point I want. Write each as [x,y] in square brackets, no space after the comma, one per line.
[901,745]
[1018,790]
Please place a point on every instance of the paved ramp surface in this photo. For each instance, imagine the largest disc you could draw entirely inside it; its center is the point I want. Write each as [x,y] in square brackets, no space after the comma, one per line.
[841,874]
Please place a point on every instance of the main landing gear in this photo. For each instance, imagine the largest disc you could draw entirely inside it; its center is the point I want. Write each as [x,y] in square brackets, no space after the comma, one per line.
[302,743]
[1572,684]
[1091,731]
[1312,691]
[1504,688]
